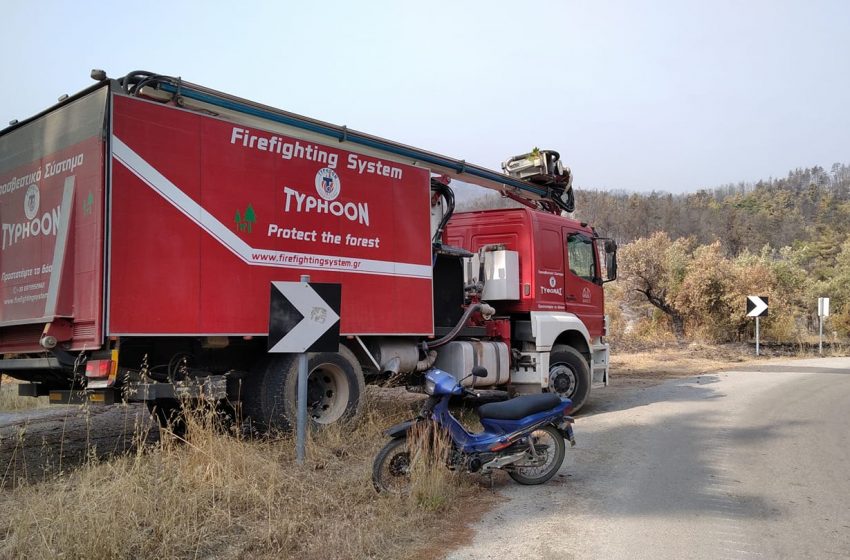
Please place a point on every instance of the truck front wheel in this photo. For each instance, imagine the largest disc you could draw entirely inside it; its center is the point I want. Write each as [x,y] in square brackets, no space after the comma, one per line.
[335,388]
[569,375]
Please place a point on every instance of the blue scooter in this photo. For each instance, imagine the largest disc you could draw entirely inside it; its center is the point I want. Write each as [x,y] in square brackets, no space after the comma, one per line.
[523,436]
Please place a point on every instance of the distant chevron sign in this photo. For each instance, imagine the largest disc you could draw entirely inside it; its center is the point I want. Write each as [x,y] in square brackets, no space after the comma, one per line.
[304,317]
[756,306]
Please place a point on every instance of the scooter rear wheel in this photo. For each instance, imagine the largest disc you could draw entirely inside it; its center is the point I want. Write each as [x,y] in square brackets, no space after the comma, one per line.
[391,468]
[545,455]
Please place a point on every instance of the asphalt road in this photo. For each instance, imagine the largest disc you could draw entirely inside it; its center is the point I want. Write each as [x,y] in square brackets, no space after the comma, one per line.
[745,464]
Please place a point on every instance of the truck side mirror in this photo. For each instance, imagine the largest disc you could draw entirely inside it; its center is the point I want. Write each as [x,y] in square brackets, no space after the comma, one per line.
[611,259]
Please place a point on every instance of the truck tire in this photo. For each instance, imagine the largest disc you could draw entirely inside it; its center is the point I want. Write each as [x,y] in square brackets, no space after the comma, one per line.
[335,389]
[569,375]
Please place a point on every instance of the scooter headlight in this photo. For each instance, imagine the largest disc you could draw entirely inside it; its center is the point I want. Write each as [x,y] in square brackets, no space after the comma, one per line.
[430,384]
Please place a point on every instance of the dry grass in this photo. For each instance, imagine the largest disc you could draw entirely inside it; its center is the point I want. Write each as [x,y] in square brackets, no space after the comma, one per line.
[433,486]
[10,401]
[668,360]
[223,496]
[678,360]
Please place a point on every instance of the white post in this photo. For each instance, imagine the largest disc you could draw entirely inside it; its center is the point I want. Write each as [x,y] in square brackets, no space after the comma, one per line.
[823,311]
[757,336]
[301,425]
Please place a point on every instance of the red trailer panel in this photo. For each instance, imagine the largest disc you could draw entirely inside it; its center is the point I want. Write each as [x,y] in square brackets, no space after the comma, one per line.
[206,213]
[51,210]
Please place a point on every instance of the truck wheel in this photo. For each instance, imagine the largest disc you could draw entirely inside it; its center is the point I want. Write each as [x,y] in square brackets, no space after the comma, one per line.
[335,388]
[569,375]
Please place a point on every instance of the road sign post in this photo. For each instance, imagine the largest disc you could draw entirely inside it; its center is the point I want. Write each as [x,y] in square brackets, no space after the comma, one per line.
[757,307]
[823,311]
[301,424]
[303,317]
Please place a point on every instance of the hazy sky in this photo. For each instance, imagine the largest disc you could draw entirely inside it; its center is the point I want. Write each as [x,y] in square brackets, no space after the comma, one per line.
[669,95]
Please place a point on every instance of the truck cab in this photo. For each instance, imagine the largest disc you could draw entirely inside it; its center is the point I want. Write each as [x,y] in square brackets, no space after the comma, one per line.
[558,266]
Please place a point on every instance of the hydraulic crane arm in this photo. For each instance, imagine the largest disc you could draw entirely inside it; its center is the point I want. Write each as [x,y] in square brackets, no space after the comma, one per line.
[552,197]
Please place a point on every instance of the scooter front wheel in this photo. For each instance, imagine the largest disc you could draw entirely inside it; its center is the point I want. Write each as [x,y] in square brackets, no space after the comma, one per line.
[391,468]
[543,458]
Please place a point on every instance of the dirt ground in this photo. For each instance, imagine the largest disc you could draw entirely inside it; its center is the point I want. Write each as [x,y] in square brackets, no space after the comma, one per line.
[42,442]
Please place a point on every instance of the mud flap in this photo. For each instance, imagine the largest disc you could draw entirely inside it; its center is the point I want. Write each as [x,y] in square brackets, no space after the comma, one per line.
[565,426]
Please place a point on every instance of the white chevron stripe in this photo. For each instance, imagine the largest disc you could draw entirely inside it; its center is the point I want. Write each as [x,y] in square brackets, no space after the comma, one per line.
[256,257]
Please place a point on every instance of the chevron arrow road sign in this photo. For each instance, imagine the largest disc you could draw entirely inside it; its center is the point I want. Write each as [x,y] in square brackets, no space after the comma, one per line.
[756,306]
[304,317]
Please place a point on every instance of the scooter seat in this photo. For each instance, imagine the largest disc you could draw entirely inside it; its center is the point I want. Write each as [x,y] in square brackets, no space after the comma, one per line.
[519,407]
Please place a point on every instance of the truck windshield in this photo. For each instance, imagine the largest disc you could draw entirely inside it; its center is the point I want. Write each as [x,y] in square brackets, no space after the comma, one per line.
[580,251]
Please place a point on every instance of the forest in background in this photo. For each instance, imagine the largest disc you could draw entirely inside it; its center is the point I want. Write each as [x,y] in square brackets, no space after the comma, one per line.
[688,261]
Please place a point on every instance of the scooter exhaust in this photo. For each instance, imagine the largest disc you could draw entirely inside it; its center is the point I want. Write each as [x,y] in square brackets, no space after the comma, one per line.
[500,462]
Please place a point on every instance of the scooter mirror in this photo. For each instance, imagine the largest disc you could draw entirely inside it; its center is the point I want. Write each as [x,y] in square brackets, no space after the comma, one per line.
[479,371]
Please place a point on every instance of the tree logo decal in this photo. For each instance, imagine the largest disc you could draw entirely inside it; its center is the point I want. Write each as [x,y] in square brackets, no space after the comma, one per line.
[88,203]
[245,222]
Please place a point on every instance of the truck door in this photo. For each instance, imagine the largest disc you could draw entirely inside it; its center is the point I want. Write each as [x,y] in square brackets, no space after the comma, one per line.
[52,211]
[583,286]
